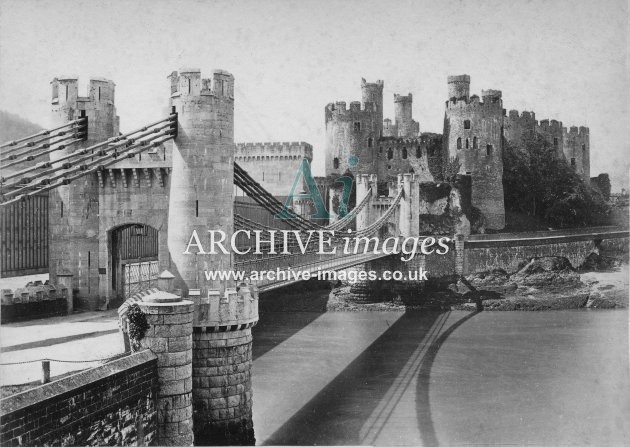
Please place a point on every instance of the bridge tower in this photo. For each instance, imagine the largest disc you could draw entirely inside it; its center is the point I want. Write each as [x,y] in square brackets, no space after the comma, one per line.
[201,200]
[409,212]
[74,209]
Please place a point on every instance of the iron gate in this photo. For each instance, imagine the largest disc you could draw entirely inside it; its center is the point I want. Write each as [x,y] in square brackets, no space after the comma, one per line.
[134,259]
[139,276]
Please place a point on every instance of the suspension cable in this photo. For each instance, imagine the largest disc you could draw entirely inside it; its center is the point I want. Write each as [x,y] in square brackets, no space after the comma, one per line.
[38,134]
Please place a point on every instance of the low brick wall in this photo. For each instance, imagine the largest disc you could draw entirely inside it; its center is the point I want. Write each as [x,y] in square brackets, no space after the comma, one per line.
[112,404]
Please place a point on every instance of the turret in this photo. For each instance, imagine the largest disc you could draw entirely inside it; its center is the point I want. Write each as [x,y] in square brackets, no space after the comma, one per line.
[373,92]
[351,133]
[405,124]
[201,201]
[74,243]
[459,87]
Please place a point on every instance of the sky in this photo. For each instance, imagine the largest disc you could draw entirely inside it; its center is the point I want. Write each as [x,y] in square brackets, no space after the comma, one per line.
[565,60]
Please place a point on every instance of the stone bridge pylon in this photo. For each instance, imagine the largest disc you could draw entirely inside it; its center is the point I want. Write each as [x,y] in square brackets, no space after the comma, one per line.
[201,199]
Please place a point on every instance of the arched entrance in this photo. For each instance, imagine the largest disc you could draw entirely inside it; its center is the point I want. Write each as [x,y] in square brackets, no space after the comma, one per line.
[134,259]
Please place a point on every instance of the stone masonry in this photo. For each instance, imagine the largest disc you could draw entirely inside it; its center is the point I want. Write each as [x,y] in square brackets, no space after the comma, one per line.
[169,337]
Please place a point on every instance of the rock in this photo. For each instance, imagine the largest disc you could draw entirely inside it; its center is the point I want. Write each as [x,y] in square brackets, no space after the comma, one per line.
[496,280]
[597,262]
[601,303]
[546,271]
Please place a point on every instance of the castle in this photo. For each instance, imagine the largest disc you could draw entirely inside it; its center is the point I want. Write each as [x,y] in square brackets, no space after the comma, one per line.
[359,141]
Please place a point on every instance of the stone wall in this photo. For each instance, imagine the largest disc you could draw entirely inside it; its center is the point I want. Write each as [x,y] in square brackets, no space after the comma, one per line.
[401,156]
[112,404]
[35,300]
[509,255]
[274,165]
[129,195]
[222,387]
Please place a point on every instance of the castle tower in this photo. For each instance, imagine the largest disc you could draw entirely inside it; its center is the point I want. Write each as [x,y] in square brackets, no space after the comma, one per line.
[351,133]
[202,200]
[577,151]
[553,133]
[373,92]
[459,87]
[473,132]
[405,124]
[74,208]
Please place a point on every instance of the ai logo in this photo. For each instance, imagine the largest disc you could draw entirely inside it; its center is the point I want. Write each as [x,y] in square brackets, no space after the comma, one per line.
[313,193]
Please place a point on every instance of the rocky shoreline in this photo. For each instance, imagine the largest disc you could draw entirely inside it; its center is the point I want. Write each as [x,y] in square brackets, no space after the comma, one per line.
[547,283]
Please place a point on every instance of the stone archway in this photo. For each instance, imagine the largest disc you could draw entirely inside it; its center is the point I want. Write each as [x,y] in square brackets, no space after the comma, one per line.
[134,259]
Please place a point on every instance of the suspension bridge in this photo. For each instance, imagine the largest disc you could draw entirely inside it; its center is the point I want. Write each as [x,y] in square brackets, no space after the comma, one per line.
[59,165]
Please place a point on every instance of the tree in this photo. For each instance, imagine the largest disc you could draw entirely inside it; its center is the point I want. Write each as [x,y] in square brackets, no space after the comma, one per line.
[539,183]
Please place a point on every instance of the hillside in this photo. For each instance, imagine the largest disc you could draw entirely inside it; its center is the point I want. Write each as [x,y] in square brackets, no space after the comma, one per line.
[13,127]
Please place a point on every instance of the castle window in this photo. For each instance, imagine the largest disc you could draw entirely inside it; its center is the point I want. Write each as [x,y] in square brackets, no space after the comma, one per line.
[263,176]
[459,143]
[555,142]
[389,166]
[336,163]
[66,92]
[466,124]
[411,171]
[475,143]
[418,152]
[432,152]
[99,93]
[189,89]
[390,153]
[380,150]
[55,90]
[489,149]
[357,126]
[467,144]
[404,153]
[573,162]
[370,142]
[584,148]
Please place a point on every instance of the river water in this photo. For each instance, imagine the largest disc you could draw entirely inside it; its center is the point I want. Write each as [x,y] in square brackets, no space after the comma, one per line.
[429,378]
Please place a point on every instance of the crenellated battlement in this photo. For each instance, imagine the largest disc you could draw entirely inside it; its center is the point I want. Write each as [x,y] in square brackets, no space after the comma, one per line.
[576,131]
[550,125]
[472,103]
[339,108]
[402,98]
[286,150]
[188,82]
[514,115]
[65,90]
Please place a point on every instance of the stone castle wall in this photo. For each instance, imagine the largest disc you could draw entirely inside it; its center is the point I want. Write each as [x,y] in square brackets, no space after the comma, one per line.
[273,164]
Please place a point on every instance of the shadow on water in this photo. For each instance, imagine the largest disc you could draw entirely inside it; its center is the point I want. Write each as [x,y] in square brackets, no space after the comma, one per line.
[285,312]
[355,406]
[423,403]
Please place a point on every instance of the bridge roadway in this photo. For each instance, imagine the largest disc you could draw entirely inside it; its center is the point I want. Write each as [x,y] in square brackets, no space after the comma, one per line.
[311,262]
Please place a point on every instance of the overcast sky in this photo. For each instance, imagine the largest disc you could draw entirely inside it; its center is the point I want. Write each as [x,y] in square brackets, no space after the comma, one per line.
[565,60]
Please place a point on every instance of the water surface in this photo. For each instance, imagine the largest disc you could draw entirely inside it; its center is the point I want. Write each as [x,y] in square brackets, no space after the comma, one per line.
[428,378]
